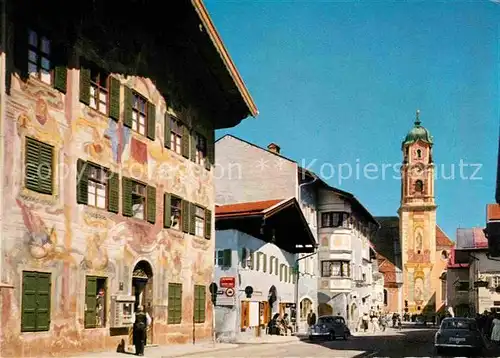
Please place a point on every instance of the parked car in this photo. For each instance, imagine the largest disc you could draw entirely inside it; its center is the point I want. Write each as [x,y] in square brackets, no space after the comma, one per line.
[460,334]
[330,327]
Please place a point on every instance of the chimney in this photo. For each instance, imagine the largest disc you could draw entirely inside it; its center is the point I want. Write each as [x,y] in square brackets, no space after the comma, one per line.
[273,147]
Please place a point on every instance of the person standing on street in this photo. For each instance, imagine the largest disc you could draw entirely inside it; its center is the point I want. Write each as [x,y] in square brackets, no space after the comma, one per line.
[142,320]
[311,319]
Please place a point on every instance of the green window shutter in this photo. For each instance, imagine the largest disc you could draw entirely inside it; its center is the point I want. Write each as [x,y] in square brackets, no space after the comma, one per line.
[264,263]
[151,121]
[192,218]
[113,193]
[31,161]
[227,258]
[185,142]
[208,224]
[193,146]
[202,299]
[174,303]
[90,302]
[210,159]
[46,168]
[28,310]
[251,264]
[127,111]
[167,210]
[185,218]
[114,98]
[199,304]
[127,197]
[60,78]
[166,131]
[151,204]
[82,182]
[85,86]
[43,301]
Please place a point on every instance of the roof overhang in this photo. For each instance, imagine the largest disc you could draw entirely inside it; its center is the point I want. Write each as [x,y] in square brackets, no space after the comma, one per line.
[179,49]
[283,224]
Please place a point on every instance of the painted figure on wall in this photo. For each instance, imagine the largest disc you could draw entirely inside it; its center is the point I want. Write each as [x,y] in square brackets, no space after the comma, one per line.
[419,289]
[419,242]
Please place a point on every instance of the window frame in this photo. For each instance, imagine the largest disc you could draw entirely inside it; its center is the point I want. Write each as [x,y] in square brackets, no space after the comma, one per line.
[38,51]
[196,216]
[176,135]
[201,149]
[104,182]
[136,97]
[344,269]
[327,219]
[145,196]
[98,88]
[181,214]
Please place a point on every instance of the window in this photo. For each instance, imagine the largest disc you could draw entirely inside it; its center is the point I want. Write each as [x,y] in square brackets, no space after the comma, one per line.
[39,159]
[334,219]
[444,255]
[99,90]
[335,269]
[97,187]
[199,221]
[222,258]
[175,212]
[419,186]
[176,131]
[201,149]
[443,290]
[138,200]
[39,64]
[35,314]
[174,303]
[419,153]
[95,302]
[386,298]
[199,303]
[139,113]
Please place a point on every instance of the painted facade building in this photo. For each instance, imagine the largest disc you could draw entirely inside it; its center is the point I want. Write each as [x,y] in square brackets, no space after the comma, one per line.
[346,286]
[107,194]
[256,248]
[248,173]
[424,248]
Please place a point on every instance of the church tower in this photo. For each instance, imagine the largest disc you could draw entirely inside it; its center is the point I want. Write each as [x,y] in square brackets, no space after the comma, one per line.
[417,225]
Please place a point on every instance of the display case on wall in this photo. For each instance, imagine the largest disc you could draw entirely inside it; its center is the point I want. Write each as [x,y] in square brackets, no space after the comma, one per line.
[122,311]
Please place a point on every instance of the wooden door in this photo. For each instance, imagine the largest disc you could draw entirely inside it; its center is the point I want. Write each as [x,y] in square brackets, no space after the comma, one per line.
[245,314]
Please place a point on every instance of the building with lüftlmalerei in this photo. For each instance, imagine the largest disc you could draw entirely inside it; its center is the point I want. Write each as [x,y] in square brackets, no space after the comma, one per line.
[413,250]
[107,119]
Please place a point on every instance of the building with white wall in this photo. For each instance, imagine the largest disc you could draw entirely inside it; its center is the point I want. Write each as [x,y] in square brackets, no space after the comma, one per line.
[256,250]
[346,257]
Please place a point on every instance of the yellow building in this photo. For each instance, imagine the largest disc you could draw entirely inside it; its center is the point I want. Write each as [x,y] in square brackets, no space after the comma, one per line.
[418,253]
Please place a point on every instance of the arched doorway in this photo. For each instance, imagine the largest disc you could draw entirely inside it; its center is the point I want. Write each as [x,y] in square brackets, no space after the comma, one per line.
[325,309]
[306,306]
[142,289]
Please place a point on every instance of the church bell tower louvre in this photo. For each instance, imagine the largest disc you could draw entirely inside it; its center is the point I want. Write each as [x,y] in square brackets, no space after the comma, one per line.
[417,219]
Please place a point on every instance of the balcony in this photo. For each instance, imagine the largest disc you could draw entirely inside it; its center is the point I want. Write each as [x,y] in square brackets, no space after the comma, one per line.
[335,284]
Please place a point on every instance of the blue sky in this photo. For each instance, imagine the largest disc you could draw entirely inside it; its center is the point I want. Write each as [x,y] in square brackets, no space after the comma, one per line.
[339,82]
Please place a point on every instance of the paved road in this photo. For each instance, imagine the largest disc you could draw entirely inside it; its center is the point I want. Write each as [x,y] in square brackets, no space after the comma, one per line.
[416,342]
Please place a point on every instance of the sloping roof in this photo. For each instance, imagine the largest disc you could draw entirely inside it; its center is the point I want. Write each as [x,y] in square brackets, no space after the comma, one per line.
[224,54]
[442,240]
[384,238]
[492,212]
[471,238]
[245,209]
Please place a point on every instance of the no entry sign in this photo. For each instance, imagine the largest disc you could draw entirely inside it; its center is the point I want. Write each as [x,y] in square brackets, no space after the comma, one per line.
[227,282]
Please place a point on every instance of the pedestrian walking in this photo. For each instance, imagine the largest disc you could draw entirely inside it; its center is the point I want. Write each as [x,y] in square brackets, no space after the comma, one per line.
[495,331]
[311,318]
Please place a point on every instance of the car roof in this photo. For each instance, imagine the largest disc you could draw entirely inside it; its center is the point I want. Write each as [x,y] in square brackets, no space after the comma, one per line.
[328,316]
[459,319]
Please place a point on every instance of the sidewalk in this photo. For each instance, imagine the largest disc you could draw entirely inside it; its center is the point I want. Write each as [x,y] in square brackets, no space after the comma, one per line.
[169,351]
[268,339]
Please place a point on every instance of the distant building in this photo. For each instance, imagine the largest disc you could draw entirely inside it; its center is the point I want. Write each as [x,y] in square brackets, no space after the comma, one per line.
[256,249]
[413,250]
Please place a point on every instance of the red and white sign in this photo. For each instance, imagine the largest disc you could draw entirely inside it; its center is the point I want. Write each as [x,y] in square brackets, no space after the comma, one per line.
[227,282]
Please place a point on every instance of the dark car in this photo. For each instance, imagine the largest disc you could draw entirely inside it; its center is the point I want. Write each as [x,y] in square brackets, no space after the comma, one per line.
[459,334]
[330,327]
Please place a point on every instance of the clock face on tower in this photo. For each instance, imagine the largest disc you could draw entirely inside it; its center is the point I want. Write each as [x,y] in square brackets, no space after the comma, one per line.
[417,169]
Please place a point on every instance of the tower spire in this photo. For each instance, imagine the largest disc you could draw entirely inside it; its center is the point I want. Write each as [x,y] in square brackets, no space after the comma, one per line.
[417,119]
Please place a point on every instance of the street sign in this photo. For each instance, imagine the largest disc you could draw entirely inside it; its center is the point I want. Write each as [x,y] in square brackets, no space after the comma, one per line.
[227,282]
[229,292]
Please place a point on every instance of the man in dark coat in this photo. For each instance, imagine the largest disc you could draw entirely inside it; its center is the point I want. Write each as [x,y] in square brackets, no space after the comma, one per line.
[139,332]
[311,318]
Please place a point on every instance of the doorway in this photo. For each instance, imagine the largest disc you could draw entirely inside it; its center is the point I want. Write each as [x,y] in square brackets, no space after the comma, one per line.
[142,289]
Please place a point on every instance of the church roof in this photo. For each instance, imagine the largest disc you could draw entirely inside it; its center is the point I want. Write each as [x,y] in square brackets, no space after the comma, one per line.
[418,133]
[442,240]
